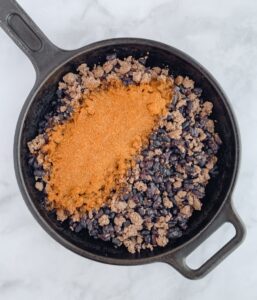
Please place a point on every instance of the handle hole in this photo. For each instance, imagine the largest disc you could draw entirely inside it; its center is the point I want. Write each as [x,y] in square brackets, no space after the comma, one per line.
[24,32]
[210,246]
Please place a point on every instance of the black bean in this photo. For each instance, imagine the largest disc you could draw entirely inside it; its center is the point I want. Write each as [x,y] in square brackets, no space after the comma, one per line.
[174,211]
[157,204]
[141,211]
[182,222]
[153,237]
[126,223]
[172,222]
[197,91]
[127,81]
[42,124]
[188,186]
[157,143]
[214,147]
[198,193]
[105,237]
[145,232]
[173,157]
[150,212]
[83,222]
[126,196]
[214,171]
[108,229]
[39,173]
[111,56]
[183,225]
[194,132]
[116,242]
[107,211]
[217,139]
[147,239]
[112,215]
[175,233]
[99,213]
[89,226]
[31,161]
[142,60]
[169,187]
[95,223]
[185,124]
[59,93]
[78,228]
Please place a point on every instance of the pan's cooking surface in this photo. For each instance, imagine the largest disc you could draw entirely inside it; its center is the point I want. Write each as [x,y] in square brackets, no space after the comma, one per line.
[217,189]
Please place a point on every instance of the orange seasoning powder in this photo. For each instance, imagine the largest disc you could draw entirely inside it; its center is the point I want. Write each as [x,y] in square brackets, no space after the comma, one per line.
[90,154]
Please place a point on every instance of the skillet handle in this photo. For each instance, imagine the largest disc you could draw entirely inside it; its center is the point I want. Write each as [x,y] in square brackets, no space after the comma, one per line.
[31,40]
[178,259]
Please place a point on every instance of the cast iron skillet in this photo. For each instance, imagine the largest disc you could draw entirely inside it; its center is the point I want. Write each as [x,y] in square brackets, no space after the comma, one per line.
[51,63]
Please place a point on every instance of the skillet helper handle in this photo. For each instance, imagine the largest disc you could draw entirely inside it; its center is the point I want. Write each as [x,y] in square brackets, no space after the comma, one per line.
[25,33]
[178,259]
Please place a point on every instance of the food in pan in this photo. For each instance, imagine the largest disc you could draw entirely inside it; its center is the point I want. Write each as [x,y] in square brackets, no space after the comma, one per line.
[125,153]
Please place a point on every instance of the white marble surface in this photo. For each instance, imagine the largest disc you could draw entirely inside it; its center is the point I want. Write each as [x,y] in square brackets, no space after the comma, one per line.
[222,35]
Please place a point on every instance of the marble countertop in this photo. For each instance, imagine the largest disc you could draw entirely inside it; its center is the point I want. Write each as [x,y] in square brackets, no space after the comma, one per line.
[222,35]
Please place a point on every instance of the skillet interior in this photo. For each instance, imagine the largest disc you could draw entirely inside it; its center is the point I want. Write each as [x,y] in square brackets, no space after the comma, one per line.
[217,189]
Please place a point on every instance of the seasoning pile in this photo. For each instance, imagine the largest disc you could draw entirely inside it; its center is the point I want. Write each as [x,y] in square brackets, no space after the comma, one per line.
[126,153]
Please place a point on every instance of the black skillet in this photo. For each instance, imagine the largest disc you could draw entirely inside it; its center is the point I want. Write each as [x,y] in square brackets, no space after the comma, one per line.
[51,63]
